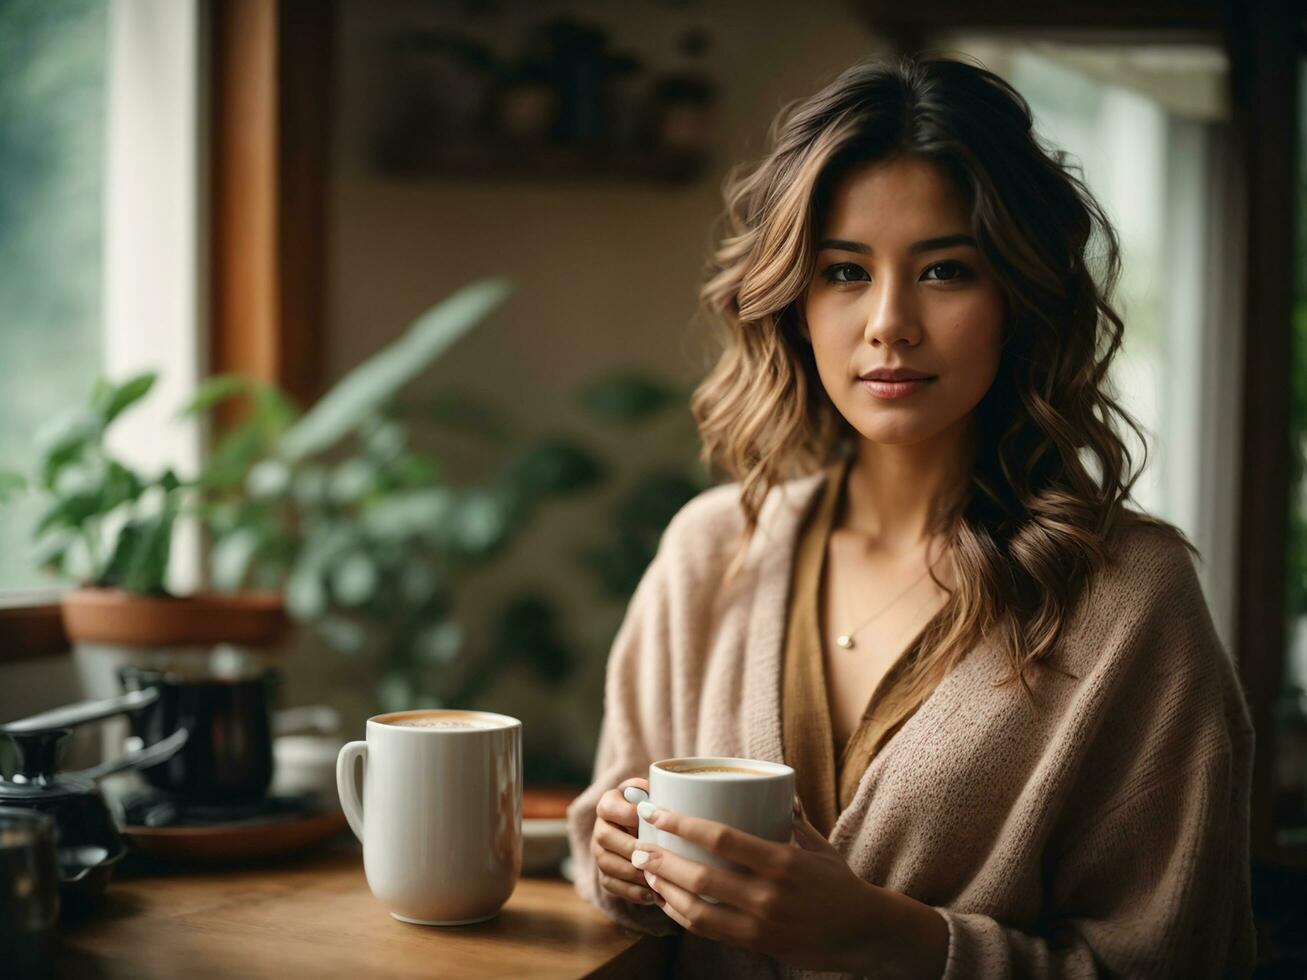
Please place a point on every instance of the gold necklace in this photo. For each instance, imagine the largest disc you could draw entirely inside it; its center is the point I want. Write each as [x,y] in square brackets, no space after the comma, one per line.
[845,640]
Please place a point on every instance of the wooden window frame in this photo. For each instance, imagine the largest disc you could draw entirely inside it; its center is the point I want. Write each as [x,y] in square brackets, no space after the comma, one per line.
[271,84]
[31,626]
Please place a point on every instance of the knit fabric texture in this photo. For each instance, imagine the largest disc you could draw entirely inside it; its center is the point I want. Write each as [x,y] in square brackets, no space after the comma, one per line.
[1098,830]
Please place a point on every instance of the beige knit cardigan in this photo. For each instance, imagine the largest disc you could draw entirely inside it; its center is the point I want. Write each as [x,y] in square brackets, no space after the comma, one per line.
[1100,831]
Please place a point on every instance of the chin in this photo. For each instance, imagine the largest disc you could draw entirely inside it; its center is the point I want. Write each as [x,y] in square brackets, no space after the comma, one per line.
[893,435]
[900,432]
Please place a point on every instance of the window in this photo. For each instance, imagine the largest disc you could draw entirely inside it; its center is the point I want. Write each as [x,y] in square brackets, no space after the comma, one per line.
[1149,127]
[52,163]
[100,234]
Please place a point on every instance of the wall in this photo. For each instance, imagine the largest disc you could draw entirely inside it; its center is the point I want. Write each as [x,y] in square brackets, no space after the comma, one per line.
[607,275]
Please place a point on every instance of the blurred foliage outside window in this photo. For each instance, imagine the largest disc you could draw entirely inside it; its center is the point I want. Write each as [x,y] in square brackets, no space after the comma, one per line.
[52,139]
[1119,138]
[1291,714]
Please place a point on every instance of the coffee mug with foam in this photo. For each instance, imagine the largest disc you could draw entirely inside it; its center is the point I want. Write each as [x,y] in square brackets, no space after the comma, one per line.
[748,794]
[441,813]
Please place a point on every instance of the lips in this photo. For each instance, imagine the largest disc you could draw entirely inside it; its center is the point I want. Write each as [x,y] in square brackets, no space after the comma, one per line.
[894,374]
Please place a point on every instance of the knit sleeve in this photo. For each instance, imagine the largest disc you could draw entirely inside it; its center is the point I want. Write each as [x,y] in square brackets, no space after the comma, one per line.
[1148,872]
[635,731]
[1158,889]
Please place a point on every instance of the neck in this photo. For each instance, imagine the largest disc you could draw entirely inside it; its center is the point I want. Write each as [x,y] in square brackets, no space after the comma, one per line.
[896,493]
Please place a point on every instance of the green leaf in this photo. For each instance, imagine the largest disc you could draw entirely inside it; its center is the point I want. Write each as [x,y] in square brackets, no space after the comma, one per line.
[354,579]
[273,412]
[412,470]
[376,381]
[68,512]
[109,401]
[80,478]
[556,466]
[418,582]
[528,630]
[481,522]
[306,596]
[458,410]
[383,439]
[409,514]
[143,566]
[232,458]
[49,551]
[438,644]
[310,486]
[64,439]
[140,558]
[351,481]
[626,398]
[231,558]
[268,479]
[120,486]
[214,391]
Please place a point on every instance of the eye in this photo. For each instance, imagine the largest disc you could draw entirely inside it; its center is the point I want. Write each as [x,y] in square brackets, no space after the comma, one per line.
[955,271]
[959,271]
[832,271]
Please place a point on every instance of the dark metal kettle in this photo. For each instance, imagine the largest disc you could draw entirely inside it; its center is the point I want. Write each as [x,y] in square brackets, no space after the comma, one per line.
[87,840]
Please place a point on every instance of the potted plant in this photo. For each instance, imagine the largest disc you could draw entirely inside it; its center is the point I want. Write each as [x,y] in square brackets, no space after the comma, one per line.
[109,527]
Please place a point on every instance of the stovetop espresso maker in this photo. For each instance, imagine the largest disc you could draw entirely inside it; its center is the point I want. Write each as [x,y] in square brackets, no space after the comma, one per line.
[87,840]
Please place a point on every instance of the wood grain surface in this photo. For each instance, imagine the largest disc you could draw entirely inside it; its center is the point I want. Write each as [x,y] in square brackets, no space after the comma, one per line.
[314,917]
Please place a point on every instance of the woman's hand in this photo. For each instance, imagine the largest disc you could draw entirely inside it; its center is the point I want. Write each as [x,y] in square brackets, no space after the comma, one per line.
[613,841]
[799,902]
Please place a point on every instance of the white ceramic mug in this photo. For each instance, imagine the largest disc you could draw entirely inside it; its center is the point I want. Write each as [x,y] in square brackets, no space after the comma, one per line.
[441,814]
[759,802]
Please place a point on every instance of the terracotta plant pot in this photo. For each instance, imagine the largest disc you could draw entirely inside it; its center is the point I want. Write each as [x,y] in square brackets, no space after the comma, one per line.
[112,616]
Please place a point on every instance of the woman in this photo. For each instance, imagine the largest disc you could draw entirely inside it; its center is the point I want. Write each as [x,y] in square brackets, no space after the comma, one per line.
[1019,745]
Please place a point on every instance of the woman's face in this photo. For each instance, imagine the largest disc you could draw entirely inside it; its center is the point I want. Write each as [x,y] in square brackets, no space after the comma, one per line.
[886,294]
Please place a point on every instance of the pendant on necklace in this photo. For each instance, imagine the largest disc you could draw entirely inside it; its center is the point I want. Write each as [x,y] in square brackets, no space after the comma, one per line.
[845,641]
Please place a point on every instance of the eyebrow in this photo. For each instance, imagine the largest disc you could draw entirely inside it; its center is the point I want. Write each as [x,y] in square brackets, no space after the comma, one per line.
[927,245]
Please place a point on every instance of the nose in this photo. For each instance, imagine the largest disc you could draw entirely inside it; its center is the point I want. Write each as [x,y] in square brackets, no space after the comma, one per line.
[893,316]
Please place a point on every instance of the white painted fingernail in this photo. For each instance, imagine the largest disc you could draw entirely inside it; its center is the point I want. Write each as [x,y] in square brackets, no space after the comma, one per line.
[639,858]
[652,879]
[646,811]
[633,794]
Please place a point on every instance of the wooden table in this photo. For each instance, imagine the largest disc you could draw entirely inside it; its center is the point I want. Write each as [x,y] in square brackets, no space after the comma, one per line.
[314,917]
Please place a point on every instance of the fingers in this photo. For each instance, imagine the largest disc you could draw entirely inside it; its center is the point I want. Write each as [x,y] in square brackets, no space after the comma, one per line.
[617,874]
[809,837]
[609,838]
[636,894]
[761,856]
[696,915]
[743,892]
[619,869]
[611,845]
[614,839]
[613,807]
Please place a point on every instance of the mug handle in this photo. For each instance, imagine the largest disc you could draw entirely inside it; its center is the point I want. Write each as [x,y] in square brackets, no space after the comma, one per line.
[648,832]
[347,788]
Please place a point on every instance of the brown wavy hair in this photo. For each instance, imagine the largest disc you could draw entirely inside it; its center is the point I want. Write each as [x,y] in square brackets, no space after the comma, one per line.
[1049,487]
